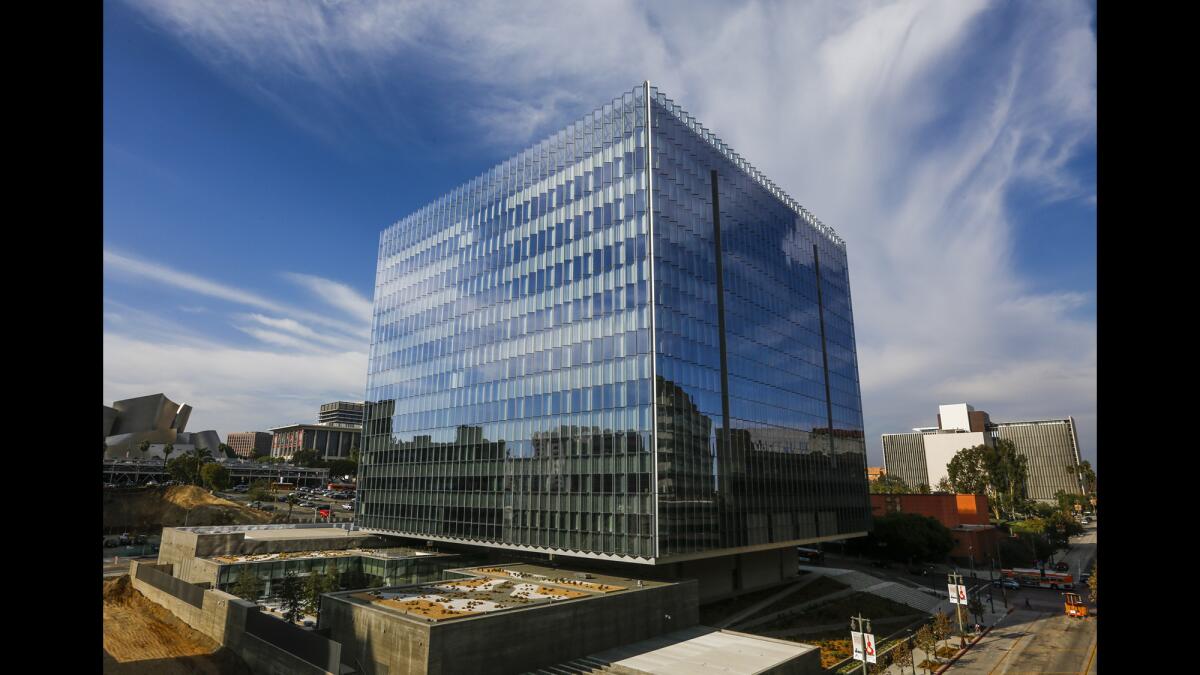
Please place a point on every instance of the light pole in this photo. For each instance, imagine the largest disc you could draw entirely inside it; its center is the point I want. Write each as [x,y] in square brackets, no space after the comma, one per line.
[955,579]
[856,626]
[1000,562]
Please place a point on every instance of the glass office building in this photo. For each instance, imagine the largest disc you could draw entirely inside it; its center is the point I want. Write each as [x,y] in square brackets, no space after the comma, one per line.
[623,343]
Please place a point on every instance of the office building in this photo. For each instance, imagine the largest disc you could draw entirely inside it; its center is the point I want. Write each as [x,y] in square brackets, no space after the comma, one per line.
[625,344]
[1051,448]
[249,443]
[343,413]
[330,441]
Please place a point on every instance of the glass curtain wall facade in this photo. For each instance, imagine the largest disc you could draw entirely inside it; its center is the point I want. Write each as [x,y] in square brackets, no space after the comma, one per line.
[546,363]
[753,334]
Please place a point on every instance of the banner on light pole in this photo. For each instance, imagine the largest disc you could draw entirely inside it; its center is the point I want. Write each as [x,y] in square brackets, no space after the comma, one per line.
[958,593]
[857,639]
[869,646]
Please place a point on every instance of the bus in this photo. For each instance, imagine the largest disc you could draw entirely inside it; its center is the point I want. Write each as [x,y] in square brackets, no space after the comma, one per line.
[810,555]
[341,487]
[1039,578]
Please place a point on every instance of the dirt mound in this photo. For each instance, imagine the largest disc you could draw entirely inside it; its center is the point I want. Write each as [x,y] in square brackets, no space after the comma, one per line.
[118,591]
[142,637]
[150,509]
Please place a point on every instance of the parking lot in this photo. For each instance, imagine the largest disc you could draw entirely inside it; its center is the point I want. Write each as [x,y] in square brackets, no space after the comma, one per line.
[308,502]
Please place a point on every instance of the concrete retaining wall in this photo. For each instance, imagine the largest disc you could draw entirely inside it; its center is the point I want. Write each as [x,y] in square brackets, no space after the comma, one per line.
[222,617]
[380,642]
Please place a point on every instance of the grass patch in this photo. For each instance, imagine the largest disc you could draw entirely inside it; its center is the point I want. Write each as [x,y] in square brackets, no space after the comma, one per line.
[822,586]
[723,609]
[840,610]
[833,650]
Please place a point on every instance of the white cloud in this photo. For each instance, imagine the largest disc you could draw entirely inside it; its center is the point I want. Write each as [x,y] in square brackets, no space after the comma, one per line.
[904,125]
[116,263]
[336,295]
[230,388]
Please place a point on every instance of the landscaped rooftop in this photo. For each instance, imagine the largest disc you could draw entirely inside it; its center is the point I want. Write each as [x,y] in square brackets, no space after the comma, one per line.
[491,589]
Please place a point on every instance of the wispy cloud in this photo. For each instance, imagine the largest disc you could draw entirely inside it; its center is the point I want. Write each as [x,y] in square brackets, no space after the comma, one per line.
[905,125]
[336,295]
[126,264]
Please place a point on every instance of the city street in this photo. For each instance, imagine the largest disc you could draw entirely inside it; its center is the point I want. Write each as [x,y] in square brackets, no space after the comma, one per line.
[1040,639]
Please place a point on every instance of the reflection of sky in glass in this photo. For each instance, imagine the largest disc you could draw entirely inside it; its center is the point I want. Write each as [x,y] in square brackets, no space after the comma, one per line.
[520,388]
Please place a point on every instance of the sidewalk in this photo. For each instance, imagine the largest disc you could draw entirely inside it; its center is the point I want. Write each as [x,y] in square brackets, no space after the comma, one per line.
[989,620]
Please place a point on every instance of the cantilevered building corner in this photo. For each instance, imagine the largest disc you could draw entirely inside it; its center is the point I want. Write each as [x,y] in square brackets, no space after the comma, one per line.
[624,343]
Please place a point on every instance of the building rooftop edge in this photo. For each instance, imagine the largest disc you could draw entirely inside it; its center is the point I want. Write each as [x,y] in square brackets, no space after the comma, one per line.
[684,117]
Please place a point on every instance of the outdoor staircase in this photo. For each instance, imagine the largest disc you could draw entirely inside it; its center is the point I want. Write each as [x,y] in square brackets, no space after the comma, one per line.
[926,601]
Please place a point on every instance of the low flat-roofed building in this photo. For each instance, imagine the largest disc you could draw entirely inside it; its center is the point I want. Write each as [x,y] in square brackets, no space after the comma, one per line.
[502,619]
[701,649]
[965,515]
[330,441]
[217,555]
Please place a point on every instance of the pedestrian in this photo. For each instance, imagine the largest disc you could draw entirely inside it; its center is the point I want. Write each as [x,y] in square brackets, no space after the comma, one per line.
[1027,605]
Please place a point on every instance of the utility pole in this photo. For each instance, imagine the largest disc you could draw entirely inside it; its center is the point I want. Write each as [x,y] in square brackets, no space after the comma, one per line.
[991,584]
[1000,561]
[857,624]
[956,580]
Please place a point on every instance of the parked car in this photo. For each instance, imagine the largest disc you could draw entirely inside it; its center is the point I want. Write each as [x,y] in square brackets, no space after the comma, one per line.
[110,542]
[920,570]
[1010,584]
[347,507]
[267,507]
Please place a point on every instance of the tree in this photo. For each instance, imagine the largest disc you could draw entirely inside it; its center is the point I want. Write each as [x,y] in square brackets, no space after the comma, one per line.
[306,458]
[1093,584]
[1007,472]
[314,586]
[976,607]
[227,451]
[967,471]
[889,485]
[215,476]
[905,537]
[944,486]
[291,596]
[354,456]
[260,490]
[185,469]
[248,585]
[167,450]
[927,641]
[902,656]
[942,628]
[1087,476]
[923,488]
[341,467]
[144,447]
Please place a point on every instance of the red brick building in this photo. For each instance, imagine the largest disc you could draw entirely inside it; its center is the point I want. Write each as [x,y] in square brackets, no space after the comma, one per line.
[965,515]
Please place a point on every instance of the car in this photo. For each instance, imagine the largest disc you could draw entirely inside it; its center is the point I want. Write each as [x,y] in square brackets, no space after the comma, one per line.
[267,507]
[347,507]
[111,543]
[1061,566]
[1010,584]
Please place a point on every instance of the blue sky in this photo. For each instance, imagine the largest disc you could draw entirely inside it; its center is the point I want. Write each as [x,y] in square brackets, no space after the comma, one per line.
[253,151]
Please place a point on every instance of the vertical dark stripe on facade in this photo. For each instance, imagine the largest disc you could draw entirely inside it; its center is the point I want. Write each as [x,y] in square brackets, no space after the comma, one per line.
[824,350]
[716,216]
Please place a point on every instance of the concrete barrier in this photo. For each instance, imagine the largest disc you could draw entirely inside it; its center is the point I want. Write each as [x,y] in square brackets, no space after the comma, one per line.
[223,617]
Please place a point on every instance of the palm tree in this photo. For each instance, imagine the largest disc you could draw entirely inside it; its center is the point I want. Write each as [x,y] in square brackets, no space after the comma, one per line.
[202,455]
[144,447]
[167,450]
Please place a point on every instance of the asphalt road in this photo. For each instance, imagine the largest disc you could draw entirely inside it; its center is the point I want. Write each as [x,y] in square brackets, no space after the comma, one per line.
[1039,639]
